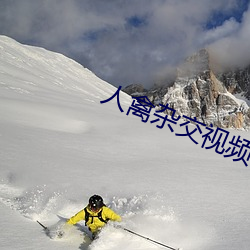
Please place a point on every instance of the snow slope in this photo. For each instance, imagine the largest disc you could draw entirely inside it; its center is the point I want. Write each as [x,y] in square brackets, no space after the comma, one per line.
[59,145]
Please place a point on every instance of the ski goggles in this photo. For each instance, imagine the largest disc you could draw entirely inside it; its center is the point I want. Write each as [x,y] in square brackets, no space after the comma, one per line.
[94,208]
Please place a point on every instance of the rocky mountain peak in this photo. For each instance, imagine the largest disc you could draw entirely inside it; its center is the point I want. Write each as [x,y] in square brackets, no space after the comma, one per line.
[198,92]
[197,64]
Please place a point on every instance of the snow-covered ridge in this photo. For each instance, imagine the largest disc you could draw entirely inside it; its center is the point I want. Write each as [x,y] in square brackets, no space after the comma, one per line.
[34,74]
[31,66]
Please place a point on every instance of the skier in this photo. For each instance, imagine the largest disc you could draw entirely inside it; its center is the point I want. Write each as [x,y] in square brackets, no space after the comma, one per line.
[95,214]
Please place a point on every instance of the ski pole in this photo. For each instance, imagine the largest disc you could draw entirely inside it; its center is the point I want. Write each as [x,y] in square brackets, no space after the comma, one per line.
[45,228]
[146,238]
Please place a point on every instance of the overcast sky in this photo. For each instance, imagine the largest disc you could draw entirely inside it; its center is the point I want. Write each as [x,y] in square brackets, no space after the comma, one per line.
[131,41]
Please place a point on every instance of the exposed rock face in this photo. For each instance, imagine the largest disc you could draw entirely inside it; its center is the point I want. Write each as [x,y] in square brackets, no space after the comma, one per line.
[135,90]
[237,81]
[198,92]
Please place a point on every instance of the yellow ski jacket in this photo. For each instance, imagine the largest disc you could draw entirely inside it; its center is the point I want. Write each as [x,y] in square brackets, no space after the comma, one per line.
[94,223]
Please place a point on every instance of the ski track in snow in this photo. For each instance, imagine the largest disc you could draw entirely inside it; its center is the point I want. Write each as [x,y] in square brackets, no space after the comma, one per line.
[43,117]
[145,214]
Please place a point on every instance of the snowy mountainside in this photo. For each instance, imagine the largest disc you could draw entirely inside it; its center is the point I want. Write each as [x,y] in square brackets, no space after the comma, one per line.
[30,63]
[59,145]
[42,77]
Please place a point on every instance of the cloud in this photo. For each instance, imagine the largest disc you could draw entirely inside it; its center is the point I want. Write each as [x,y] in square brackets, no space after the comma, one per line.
[233,49]
[228,28]
[124,41]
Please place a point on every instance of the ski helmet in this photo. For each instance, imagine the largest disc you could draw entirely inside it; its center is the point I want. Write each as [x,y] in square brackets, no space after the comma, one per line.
[95,202]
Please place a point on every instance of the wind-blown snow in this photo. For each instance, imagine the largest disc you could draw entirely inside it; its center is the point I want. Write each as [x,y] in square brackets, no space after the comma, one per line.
[59,145]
